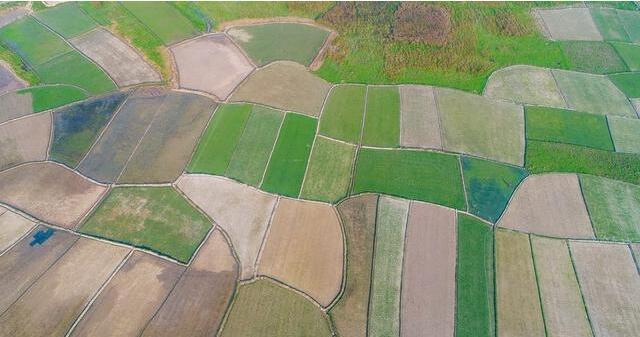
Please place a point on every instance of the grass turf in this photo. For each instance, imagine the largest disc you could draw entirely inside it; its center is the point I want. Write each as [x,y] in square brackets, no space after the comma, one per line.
[553,157]
[382,118]
[628,83]
[75,69]
[52,96]
[567,126]
[288,162]
[216,146]
[625,133]
[156,218]
[419,175]
[630,53]
[164,20]
[594,57]
[489,186]
[329,173]
[343,112]
[474,279]
[66,19]
[32,41]
[609,25]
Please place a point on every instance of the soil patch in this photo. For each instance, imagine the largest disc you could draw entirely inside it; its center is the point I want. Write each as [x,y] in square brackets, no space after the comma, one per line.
[12,227]
[24,140]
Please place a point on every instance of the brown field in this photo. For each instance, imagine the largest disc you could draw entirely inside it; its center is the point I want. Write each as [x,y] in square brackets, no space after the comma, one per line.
[8,81]
[284,85]
[131,298]
[53,303]
[12,227]
[49,192]
[420,126]
[242,211]
[24,263]
[549,204]
[611,287]
[197,304]
[216,56]
[24,140]
[14,105]
[429,273]
[562,303]
[570,24]
[304,249]
[518,304]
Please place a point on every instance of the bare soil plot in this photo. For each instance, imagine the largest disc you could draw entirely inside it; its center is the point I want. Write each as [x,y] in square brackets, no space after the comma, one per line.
[358,215]
[304,249]
[343,112]
[12,227]
[480,126]
[570,24]
[216,56]
[549,204]
[125,66]
[609,24]
[420,123]
[614,207]
[28,259]
[264,308]
[285,85]
[198,302]
[329,172]
[525,84]
[14,105]
[562,304]
[53,303]
[10,15]
[168,143]
[8,81]
[49,192]
[131,298]
[592,93]
[384,300]
[24,140]
[242,211]
[625,133]
[518,305]
[610,286]
[429,271]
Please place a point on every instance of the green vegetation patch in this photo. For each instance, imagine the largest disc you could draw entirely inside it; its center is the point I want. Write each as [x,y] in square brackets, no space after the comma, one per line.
[475,315]
[18,65]
[631,22]
[216,146]
[382,119]
[343,112]
[614,207]
[566,126]
[329,172]
[609,25]
[554,157]
[52,96]
[32,41]
[289,159]
[221,11]
[419,175]
[489,186]
[67,19]
[630,53]
[594,57]
[625,133]
[263,308]
[76,127]
[75,69]
[164,20]
[628,83]
[156,218]
[250,158]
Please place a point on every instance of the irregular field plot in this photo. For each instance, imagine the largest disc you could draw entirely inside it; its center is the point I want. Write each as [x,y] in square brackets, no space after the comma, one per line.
[157,218]
[164,20]
[630,53]
[628,83]
[625,133]
[67,20]
[426,176]
[75,69]
[14,105]
[570,24]
[24,140]
[32,41]
[10,14]
[525,84]
[9,81]
[382,119]
[12,227]
[329,172]
[609,24]
[420,122]
[52,96]
[593,57]
[343,112]
[631,22]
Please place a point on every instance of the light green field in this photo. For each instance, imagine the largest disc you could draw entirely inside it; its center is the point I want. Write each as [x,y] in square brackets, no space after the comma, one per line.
[609,25]
[329,172]
[625,133]
[32,41]
[630,53]
[52,96]
[67,20]
[631,22]
[75,69]
[628,83]
[164,20]
[342,115]
[382,119]
[595,57]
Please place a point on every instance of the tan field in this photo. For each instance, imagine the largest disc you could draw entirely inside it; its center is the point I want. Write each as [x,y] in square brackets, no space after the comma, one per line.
[525,84]
[570,24]
[12,227]
[24,140]
[420,123]
[14,105]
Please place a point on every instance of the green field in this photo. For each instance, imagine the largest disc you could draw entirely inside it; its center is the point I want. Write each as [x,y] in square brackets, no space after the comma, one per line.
[342,115]
[289,158]
[625,133]
[156,218]
[329,172]
[609,25]
[75,69]
[67,20]
[419,175]
[32,41]
[631,22]
[628,83]
[52,96]
[18,65]
[594,57]
[630,53]
[164,20]
[382,118]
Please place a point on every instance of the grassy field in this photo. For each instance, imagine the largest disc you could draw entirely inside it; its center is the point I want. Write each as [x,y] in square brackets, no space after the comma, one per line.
[630,53]
[553,157]
[67,20]
[75,69]
[164,20]
[156,218]
[609,24]
[52,96]
[329,172]
[382,119]
[594,57]
[625,133]
[343,112]
[420,175]
[567,126]
[474,279]
[18,65]
[628,83]
[32,41]
[222,11]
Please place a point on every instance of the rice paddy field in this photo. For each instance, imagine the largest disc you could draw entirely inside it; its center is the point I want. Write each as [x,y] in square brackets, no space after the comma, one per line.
[352,169]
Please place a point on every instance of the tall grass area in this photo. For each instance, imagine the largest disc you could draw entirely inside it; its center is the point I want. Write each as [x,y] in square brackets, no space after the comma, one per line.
[221,11]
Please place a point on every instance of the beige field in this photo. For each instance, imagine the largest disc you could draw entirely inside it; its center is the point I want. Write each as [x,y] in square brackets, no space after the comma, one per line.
[14,105]
[525,84]
[549,204]
[10,15]
[429,272]
[12,227]
[24,140]
[420,123]
[8,81]
[570,24]
[304,249]
[49,192]
[242,211]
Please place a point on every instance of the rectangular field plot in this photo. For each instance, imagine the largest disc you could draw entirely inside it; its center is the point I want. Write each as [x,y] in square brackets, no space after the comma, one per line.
[329,172]
[420,175]
[75,69]
[163,20]
[219,140]
[66,19]
[382,118]
[32,41]
[14,105]
[570,24]
[594,57]
[24,140]
[625,133]
[518,305]
[289,158]
[420,122]
[609,24]
[252,152]
[610,286]
[342,115]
